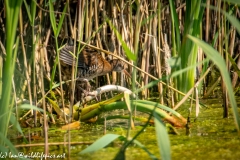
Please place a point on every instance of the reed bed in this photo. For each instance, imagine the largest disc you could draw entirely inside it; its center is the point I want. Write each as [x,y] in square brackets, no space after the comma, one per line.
[173,50]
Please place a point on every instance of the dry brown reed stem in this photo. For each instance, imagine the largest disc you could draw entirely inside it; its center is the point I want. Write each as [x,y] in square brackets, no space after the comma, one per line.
[166,57]
[45,129]
[149,41]
[40,73]
[179,9]
[221,27]
[78,18]
[69,20]
[24,59]
[235,75]
[158,53]
[126,33]
[102,11]
[231,51]
[99,44]
[103,32]
[232,42]
[46,61]
[34,66]
[90,17]
[145,58]
[197,101]
[72,92]
[52,144]
[113,37]
[214,21]
[86,22]
[45,10]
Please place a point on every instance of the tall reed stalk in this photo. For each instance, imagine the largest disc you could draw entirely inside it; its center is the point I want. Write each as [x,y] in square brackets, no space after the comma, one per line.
[12,9]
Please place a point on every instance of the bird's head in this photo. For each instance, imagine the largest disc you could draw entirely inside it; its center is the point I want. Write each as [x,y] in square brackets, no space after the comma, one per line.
[117,65]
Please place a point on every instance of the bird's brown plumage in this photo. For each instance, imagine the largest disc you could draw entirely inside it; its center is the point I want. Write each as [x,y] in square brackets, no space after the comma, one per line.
[90,63]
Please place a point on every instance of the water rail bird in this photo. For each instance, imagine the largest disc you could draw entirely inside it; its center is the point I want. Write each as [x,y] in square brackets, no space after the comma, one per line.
[90,63]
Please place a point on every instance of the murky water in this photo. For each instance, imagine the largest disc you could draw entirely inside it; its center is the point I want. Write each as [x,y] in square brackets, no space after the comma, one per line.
[211,137]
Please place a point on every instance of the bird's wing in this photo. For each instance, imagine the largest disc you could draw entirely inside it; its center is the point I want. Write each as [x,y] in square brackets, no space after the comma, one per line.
[90,63]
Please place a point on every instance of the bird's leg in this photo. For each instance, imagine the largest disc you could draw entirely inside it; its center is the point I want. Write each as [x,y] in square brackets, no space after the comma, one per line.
[86,89]
[88,86]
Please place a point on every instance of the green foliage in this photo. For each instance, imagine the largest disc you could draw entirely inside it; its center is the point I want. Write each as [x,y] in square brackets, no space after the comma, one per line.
[128,52]
[188,51]
[31,13]
[218,60]
[233,1]
[101,143]
[162,138]
[8,143]
[176,40]
[12,12]
[109,138]
[56,30]
[28,106]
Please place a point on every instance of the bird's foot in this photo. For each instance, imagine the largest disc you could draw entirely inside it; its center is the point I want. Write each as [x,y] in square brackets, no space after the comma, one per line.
[86,90]
[85,93]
